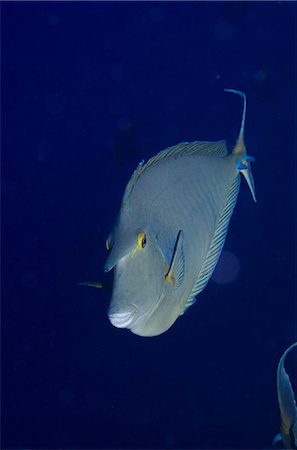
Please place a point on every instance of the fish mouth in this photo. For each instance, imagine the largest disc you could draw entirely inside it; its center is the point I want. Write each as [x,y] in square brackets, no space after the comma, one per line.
[122,319]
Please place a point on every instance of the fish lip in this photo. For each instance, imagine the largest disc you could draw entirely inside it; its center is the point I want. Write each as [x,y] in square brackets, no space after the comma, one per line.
[131,317]
[122,319]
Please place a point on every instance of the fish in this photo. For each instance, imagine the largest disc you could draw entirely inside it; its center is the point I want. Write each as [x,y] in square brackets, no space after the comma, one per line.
[171,229]
[287,405]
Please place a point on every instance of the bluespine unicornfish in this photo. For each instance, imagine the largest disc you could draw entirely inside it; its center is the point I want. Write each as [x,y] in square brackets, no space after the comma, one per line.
[287,405]
[171,228]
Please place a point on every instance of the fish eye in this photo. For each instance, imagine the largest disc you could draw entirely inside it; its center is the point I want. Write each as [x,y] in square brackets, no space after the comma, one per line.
[141,240]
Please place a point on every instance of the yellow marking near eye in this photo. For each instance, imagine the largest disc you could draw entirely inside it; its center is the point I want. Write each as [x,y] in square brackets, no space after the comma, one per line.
[141,240]
[107,245]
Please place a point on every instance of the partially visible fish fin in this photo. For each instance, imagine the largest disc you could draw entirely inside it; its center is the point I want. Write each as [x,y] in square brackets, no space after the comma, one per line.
[285,393]
[248,175]
[216,245]
[176,270]
[277,438]
[239,148]
[94,284]
[216,148]
[133,180]
[243,162]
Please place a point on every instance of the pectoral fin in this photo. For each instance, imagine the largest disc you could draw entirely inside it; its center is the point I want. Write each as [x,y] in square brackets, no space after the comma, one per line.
[175,273]
[277,438]
[95,284]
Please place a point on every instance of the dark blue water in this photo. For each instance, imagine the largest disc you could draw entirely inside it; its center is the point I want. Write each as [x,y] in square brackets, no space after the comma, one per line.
[88,90]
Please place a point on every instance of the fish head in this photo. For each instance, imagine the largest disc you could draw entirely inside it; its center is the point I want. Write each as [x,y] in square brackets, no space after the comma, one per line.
[139,270]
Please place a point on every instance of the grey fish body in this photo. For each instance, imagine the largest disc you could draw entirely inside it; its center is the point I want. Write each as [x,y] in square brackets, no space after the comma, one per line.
[184,187]
[181,202]
[287,404]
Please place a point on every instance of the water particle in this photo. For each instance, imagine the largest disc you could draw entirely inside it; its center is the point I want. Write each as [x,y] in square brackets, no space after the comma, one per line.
[116,72]
[227,269]
[53,19]
[260,75]
[66,396]
[169,440]
[157,14]
[124,123]
[223,31]
[54,103]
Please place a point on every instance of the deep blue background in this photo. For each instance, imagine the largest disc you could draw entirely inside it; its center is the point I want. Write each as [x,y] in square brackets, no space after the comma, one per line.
[88,90]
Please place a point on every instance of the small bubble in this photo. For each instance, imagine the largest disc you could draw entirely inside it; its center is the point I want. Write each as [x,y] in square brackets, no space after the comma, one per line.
[227,269]
[124,123]
[54,103]
[116,72]
[43,150]
[157,14]
[53,19]
[260,75]
[66,396]
[89,68]
[169,440]
[29,279]
[223,31]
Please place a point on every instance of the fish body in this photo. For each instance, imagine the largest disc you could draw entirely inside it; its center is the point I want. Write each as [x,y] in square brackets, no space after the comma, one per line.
[287,404]
[171,229]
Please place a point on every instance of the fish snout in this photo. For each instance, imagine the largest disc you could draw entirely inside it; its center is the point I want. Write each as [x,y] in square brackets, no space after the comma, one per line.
[122,318]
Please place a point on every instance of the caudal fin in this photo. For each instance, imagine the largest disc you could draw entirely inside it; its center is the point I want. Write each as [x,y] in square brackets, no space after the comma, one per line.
[243,161]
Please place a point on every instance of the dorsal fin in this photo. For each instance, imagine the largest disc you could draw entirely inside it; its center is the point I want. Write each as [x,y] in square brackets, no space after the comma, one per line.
[215,148]
[133,179]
